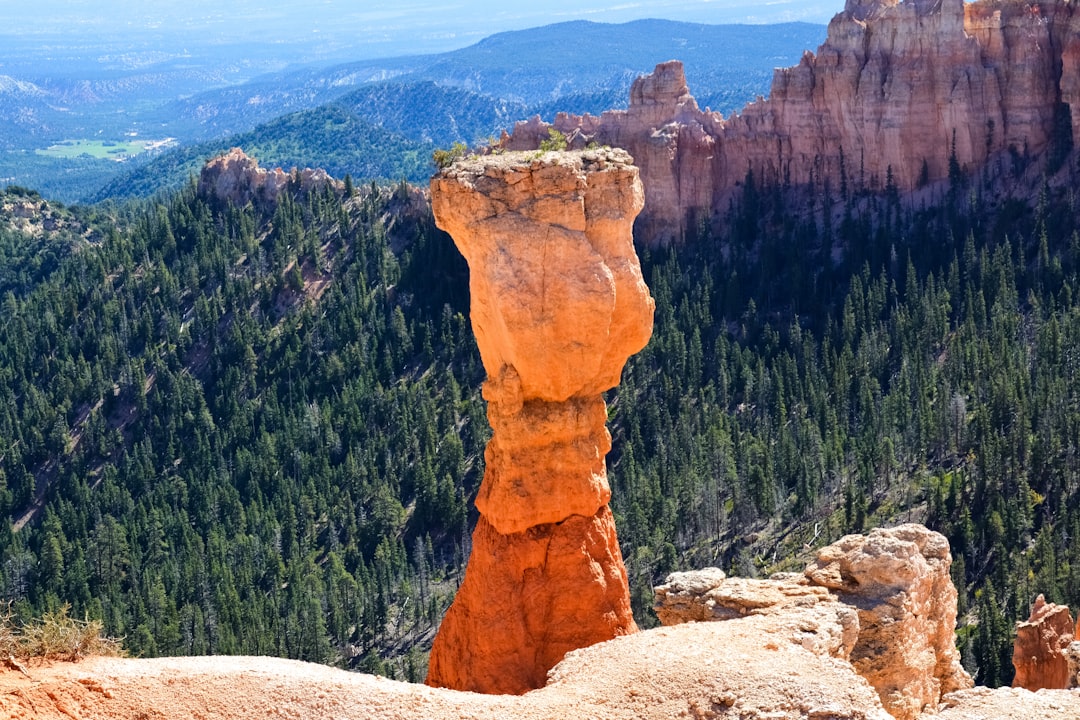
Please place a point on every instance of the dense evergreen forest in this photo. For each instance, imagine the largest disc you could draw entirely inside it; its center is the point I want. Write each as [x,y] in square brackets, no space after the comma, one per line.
[259,430]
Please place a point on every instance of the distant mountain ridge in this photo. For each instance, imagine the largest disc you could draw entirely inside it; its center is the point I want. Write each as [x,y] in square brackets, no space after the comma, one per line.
[727,62]
[463,95]
[466,95]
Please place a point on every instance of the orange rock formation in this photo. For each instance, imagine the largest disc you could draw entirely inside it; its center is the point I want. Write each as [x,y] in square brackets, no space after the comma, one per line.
[1041,648]
[898,580]
[558,305]
[895,90]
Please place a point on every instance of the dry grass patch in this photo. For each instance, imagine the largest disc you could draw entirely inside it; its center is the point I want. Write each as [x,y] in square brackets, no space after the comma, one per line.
[54,636]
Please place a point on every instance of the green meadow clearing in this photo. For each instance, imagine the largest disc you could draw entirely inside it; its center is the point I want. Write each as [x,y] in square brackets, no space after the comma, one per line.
[101,149]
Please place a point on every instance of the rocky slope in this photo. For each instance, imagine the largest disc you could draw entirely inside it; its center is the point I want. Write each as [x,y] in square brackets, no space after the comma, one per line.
[898,93]
[558,305]
[890,592]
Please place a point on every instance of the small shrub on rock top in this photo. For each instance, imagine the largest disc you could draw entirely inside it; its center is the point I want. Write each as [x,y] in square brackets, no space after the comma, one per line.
[556,141]
[445,158]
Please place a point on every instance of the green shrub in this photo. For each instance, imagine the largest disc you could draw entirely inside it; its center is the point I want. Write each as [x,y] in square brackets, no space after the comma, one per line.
[556,141]
[446,158]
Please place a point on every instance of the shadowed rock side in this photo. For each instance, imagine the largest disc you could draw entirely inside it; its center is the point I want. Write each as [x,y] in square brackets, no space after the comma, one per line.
[1043,651]
[896,89]
[558,305]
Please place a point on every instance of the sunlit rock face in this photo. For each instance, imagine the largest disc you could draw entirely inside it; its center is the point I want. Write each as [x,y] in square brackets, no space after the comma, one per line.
[1041,650]
[236,177]
[558,305]
[897,92]
[898,580]
[883,602]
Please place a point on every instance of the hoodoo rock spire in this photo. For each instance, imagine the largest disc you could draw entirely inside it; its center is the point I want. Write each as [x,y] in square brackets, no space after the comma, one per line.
[558,305]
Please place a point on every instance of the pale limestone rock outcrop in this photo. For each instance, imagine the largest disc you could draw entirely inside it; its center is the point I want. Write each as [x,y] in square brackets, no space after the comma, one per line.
[898,580]
[237,177]
[1041,648]
[982,703]
[558,305]
[744,669]
[737,670]
[896,89]
[884,601]
[816,619]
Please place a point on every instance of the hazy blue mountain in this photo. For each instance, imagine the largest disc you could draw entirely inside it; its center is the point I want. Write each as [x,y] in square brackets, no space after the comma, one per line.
[344,29]
[726,66]
[463,95]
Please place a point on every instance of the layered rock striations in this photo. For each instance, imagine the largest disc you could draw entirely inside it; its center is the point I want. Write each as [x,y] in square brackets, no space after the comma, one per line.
[1043,652]
[897,90]
[558,305]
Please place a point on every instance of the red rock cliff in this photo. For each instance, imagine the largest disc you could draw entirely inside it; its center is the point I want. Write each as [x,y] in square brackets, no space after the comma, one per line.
[558,305]
[896,88]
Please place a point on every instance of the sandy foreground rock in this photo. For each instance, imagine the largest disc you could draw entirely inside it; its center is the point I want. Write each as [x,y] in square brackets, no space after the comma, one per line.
[982,703]
[885,602]
[898,579]
[749,669]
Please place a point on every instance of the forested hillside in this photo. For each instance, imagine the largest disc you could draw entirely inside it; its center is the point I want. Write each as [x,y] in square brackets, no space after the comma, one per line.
[902,360]
[333,137]
[237,430]
[253,434]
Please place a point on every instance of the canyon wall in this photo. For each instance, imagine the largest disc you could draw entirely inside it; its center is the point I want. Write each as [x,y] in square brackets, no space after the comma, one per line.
[897,90]
[558,305]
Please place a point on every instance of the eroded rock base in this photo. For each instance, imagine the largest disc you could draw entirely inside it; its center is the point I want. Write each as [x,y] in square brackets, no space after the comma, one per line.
[527,600]
[885,602]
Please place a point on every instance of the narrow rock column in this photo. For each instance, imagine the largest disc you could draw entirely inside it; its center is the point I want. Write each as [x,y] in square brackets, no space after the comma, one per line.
[1041,648]
[558,305]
